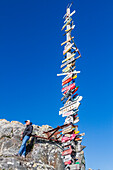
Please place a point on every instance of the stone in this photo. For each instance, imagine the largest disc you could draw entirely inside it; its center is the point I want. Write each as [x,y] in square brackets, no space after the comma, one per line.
[41,154]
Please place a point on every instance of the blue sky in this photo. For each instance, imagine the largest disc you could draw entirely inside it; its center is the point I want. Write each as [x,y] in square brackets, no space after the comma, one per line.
[30,58]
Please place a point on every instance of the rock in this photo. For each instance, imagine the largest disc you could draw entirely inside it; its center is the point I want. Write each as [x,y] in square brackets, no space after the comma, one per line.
[41,154]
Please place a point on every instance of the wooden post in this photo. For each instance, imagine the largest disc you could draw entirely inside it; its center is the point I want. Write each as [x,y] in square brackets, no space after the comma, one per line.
[68,35]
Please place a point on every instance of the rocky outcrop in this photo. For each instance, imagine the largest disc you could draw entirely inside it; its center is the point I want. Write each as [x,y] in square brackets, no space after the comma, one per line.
[41,154]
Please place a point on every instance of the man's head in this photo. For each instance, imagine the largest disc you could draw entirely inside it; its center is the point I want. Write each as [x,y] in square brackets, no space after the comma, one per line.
[28,122]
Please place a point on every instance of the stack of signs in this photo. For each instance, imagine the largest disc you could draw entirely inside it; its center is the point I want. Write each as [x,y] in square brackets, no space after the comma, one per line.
[73,154]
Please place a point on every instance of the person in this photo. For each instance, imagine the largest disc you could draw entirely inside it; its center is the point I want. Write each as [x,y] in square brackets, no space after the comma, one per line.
[25,137]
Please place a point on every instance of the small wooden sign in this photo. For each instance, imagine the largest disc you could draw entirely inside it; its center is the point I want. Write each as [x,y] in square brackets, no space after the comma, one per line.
[68,104]
[69,119]
[69,113]
[66,152]
[70,87]
[67,77]
[70,19]
[66,143]
[67,158]
[70,108]
[68,62]
[74,166]
[69,16]
[67,41]
[68,58]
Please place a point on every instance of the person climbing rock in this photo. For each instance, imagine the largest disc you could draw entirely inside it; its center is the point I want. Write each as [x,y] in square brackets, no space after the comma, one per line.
[25,137]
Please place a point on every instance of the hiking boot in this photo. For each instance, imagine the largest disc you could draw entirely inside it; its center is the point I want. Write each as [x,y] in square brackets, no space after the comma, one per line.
[23,156]
[16,154]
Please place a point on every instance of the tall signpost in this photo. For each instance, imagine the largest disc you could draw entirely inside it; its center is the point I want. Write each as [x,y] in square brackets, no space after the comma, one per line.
[73,154]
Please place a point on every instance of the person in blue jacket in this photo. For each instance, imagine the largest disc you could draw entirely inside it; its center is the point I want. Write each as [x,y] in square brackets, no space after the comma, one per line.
[25,137]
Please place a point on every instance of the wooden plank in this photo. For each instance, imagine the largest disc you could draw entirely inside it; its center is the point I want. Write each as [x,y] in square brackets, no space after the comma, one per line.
[68,69]
[69,93]
[73,26]
[69,151]
[69,30]
[66,147]
[69,126]
[67,158]
[72,97]
[68,58]
[68,62]
[45,138]
[69,119]
[68,66]
[67,41]
[74,166]
[70,87]
[70,103]
[68,76]
[79,138]
[69,108]
[67,162]
[76,72]
[70,138]
[68,80]
[58,127]
[70,130]
[75,121]
[68,22]
[68,48]
[69,16]
[53,133]
[77,57]
[66,143]
[75,89]
[68,113]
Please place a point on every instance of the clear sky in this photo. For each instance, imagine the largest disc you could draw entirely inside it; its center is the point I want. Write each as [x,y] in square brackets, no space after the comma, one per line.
[30,58]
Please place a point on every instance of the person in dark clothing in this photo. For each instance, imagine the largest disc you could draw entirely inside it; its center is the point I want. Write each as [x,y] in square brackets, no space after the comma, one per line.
[25,137]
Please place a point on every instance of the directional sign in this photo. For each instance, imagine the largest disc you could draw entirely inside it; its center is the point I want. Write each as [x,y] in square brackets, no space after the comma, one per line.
[66,147]
[68,62]
[68,58]
[68,30]
[69,130]
[70,19]
[74,166]
[68,48]
[68,104]
[67,158]
[69,16]
[69,79]
[67,162]
[69,108]
[67,127]
[70,87]
[66,143]
[65,139]
[68,113]
[68,66]
[68,73]
[66,152]
[67,41]
[69,119]
[73,26]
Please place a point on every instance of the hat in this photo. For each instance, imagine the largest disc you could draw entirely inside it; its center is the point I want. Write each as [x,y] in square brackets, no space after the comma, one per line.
[27,121]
